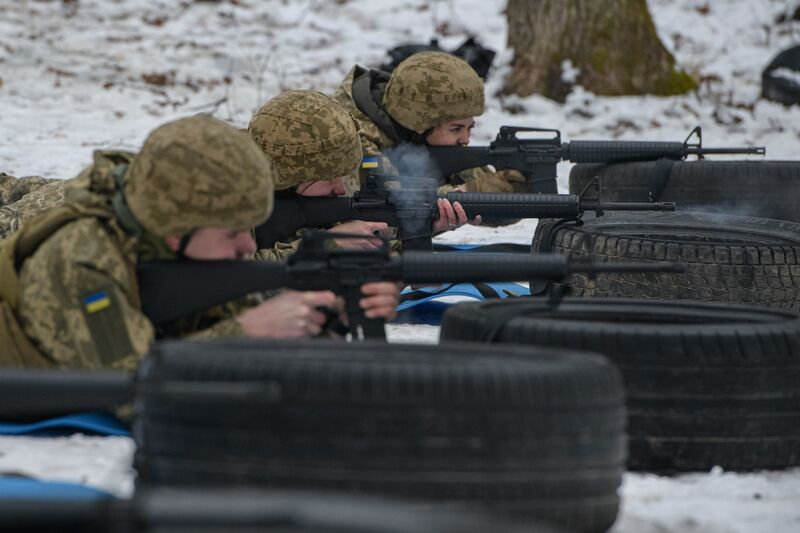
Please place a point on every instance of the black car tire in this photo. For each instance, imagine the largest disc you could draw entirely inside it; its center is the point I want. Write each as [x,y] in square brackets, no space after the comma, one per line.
[726,258]
[525,433]
[769,189]
[706,384]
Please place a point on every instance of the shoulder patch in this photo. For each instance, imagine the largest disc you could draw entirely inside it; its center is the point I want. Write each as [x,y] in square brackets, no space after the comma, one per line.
[102,311]
[96,302]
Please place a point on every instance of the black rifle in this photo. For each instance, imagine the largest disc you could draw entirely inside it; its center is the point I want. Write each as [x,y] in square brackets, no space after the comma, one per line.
[409,204]
[170,290]
[537,158]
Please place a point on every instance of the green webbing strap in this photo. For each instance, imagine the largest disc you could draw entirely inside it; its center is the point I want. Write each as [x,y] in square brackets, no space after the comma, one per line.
[365,95]
[363,99]
[120,206]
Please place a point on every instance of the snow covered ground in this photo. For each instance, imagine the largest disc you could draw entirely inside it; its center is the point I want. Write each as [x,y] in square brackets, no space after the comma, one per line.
[81,75]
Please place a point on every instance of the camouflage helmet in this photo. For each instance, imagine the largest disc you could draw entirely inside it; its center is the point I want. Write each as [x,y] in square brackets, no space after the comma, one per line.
[309,135]
[199,172]
[429,88]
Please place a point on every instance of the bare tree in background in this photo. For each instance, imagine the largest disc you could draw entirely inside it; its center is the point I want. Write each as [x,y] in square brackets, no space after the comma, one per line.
[613,43]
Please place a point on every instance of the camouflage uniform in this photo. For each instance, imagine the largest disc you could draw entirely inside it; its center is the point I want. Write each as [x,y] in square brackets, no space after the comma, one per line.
[78,295]
[425,90]
[310,138]
[38,197]
[13,189]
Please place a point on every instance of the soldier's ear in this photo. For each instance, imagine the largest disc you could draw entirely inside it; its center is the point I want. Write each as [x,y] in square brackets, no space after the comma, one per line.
[173,242]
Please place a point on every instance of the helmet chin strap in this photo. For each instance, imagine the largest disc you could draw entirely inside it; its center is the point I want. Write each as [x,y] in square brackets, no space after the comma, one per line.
[185,238]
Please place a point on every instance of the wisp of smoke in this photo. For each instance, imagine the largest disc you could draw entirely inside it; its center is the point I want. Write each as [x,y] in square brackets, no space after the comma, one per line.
[412,160]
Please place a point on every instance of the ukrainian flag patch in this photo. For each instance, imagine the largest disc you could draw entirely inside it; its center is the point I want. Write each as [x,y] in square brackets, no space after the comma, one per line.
[370,161]
[96,302]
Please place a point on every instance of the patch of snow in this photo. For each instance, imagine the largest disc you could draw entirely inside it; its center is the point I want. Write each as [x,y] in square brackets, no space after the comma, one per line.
[101,462]
[569,72]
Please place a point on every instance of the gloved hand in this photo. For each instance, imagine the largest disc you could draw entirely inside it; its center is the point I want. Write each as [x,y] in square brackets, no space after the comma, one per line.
[486,180]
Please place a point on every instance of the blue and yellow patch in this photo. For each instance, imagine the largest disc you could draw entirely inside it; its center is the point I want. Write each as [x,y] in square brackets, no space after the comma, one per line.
[370,161]
[96,302]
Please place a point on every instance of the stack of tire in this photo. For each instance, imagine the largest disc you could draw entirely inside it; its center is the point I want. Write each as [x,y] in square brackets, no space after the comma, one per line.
[707,383]
[528,435]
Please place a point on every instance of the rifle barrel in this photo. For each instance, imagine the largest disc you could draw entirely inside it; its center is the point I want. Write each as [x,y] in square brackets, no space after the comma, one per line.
[754,150]
[416,267]
[492,206]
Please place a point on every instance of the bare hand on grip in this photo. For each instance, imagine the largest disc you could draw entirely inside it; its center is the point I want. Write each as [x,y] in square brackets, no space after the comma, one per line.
[361,227]
[291,314]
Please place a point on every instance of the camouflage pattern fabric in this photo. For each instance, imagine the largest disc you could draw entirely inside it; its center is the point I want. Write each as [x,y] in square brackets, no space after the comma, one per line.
[78,296]
[429,88]
[279,252]
[84,262]
[7,182]
[14,215]
[13,189]
[308,135]
[485,179]
[197,172]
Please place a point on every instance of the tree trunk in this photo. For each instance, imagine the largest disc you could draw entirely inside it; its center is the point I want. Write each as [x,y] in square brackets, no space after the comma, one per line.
[613,44]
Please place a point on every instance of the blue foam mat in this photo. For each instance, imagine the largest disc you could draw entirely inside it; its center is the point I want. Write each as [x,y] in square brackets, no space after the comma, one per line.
[21,488]
[94,423]
[505,247]
[427,310]
[503,290]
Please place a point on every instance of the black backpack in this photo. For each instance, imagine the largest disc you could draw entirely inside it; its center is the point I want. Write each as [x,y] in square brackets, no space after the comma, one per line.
[478,56]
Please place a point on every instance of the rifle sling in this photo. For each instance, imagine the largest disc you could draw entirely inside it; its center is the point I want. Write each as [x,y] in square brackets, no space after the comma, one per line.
[365,103]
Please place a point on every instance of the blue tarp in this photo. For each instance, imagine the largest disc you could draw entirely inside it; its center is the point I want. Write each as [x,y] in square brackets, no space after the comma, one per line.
[20,488]
[420,306]
[93,423]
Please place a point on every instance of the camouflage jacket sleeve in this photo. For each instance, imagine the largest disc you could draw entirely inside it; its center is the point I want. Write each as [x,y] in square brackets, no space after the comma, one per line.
[279,251]
[76,300]
[486,179]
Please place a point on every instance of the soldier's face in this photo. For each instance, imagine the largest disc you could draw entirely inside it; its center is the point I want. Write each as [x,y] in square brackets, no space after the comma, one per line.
[451,133]
[334,187]
[216,244]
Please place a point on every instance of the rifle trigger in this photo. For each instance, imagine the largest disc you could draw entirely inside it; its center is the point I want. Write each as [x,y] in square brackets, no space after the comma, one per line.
[332,322]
